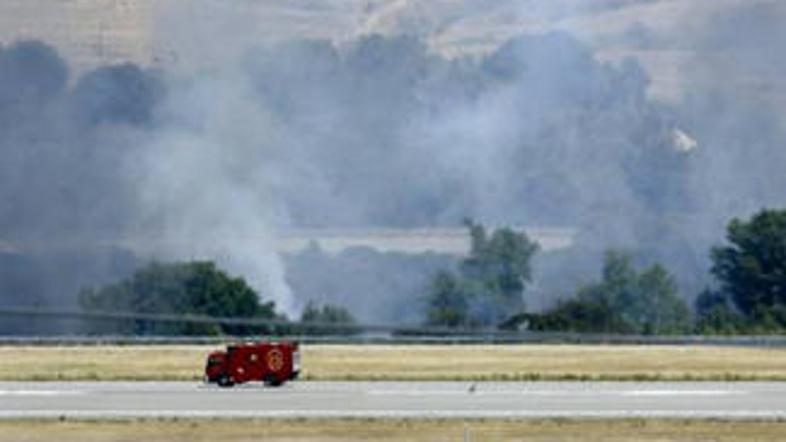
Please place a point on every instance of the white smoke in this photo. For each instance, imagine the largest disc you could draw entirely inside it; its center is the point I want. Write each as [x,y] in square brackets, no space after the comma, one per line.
[253,135]
[205,181]
[683,142]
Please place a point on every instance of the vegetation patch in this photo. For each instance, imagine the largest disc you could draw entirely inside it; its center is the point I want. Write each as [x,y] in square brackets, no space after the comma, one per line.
[306,430]
[413,362]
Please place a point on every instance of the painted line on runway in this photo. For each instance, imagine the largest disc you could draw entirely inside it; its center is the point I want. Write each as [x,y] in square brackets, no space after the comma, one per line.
[434,392]
[41,392]
[683,393]
[382,414]
[550,393]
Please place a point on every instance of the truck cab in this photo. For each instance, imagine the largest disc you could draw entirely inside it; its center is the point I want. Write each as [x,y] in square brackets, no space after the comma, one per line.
[270,362]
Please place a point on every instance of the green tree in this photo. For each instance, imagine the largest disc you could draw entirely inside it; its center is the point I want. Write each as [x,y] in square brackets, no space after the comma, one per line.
[752,266]
[579,315]
[715,314]
[501,263]
[327,319]
[625,301]
[197,288]
[448,302]
[490,284]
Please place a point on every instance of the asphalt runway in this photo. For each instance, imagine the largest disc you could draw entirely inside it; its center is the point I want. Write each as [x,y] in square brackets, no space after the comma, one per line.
[733,400]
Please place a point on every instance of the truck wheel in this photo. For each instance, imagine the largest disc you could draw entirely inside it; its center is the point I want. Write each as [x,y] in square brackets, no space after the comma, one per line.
[272,381]
[225,381]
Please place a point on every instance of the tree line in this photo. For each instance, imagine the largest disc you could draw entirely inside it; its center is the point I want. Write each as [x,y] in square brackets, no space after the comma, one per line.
[487,290]
[749,297]
[200,288]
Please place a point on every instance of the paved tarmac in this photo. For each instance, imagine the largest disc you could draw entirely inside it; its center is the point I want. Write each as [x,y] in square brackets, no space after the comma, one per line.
[735,400]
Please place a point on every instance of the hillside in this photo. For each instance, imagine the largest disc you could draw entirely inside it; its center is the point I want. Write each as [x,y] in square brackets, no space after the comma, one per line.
[95,32]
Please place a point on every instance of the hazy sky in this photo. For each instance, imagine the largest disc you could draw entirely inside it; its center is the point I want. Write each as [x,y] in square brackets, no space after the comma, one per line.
[242,132]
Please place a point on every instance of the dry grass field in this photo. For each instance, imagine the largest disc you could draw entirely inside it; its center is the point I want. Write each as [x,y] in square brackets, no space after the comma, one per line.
[391,430]
[412,362]
[543,362]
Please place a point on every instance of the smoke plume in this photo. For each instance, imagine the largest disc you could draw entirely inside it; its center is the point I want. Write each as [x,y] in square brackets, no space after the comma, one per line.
[237,136]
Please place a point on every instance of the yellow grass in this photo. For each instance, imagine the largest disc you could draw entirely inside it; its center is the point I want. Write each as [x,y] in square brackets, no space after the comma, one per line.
[522,362]
[102,363]
[390,430]
[412,362]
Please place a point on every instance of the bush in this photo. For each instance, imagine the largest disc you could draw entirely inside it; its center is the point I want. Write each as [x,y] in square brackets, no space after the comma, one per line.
[196,288]
[327,319]
[625,301]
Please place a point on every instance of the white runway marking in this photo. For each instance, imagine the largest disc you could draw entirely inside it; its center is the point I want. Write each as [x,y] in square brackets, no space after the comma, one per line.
[555,393]
[682,393]
[38,393]
[479,392]
[418,392]
[397,413]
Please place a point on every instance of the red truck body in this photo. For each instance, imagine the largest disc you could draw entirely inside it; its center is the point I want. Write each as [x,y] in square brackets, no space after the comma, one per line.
[271,362]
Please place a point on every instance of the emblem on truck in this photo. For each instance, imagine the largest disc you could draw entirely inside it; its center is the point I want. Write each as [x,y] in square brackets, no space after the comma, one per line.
[275,360]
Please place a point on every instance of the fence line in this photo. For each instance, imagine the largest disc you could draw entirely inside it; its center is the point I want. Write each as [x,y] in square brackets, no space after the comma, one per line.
[326,333]
[534,338]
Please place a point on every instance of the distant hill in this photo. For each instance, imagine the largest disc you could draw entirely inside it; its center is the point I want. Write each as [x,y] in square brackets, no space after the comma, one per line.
[95,32]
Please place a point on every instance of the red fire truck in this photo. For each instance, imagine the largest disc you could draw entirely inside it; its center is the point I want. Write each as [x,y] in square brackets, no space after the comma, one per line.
[270,362]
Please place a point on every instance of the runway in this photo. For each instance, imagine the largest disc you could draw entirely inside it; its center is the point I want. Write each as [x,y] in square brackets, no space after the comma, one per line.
[734,400]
